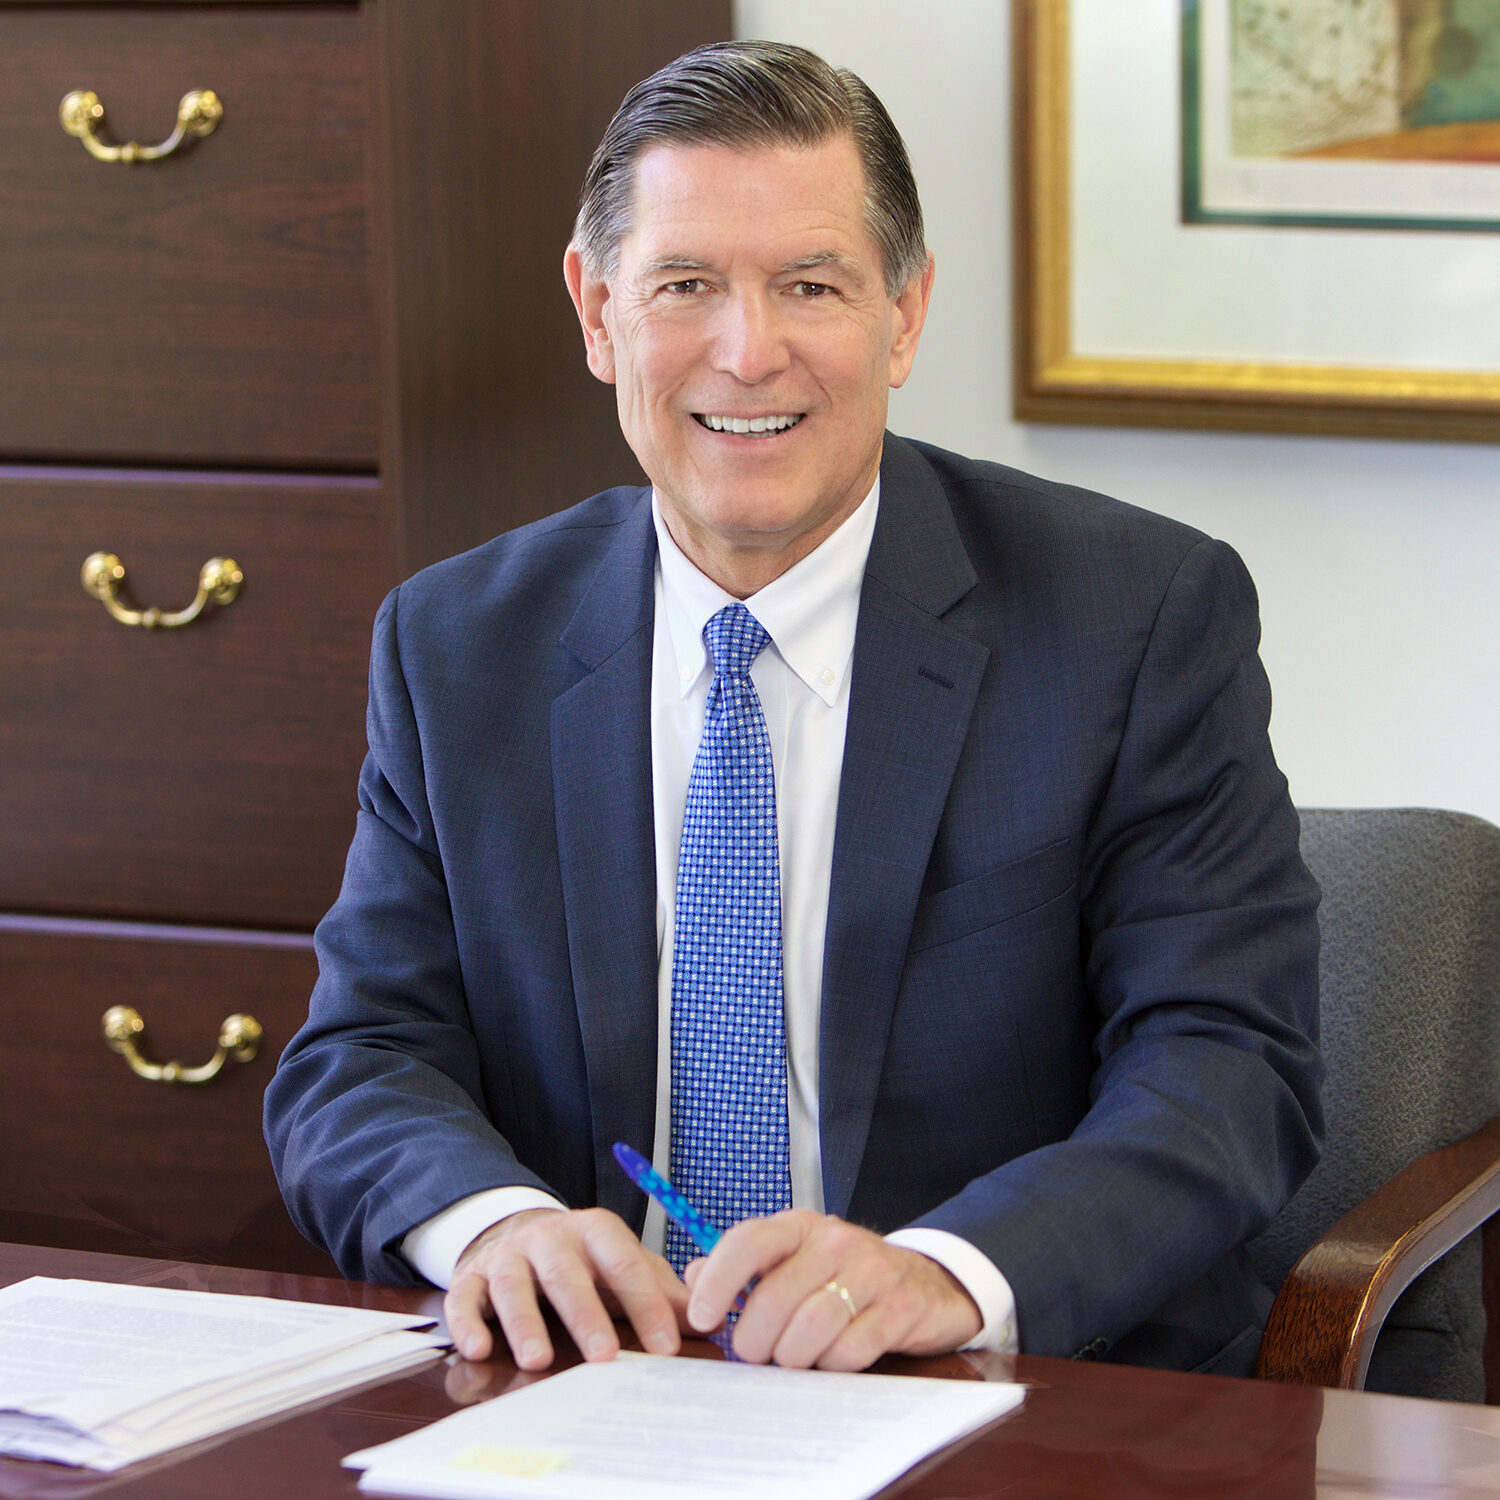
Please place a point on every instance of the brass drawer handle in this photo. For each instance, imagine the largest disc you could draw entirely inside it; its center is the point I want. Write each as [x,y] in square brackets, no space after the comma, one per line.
[239,1038]
[103,573]
[198,114]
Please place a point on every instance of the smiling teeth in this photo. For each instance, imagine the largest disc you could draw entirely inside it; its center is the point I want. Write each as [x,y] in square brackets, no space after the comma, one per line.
[749,424]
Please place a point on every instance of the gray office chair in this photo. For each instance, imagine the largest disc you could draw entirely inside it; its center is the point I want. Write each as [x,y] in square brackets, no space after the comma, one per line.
[1411,1034]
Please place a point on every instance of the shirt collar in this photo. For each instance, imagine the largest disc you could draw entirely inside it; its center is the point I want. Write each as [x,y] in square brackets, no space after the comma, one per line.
[810,611]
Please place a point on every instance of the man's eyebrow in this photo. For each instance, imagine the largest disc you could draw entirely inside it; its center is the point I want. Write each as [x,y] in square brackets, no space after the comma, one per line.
[673,263]
[821,258]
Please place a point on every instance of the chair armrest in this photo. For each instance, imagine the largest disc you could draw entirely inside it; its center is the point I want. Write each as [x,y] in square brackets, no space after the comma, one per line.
[1330,1309]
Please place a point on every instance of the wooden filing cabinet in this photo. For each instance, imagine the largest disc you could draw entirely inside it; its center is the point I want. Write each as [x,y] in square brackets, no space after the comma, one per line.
[328,341]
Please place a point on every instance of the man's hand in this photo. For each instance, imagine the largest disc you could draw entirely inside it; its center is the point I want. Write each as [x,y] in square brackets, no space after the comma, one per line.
[897,1300]
[586,1263]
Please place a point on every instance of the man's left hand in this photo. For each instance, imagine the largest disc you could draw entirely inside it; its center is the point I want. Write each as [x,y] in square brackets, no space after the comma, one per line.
[894,1301]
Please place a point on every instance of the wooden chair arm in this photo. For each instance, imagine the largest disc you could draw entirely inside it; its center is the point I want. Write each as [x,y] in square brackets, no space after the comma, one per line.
[1323,1326]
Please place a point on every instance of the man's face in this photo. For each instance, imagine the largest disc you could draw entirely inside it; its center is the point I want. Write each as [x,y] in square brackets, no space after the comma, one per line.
[749,294]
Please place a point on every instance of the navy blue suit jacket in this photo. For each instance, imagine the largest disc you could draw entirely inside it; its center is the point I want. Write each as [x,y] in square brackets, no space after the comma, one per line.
[1069,1001]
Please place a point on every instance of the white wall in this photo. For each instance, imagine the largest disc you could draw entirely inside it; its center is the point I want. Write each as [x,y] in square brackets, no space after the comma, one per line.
[1378,563]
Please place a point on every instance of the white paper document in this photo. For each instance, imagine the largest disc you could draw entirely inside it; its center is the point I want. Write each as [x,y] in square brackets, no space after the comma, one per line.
[643,1427]
[100,1375]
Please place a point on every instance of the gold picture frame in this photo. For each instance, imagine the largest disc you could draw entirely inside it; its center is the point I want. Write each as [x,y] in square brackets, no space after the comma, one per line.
[1056,381]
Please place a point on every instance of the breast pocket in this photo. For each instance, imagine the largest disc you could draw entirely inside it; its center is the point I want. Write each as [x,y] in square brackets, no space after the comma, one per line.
[1000,895]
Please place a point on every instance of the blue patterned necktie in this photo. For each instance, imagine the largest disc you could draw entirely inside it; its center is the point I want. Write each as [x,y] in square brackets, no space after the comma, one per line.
[729,1129]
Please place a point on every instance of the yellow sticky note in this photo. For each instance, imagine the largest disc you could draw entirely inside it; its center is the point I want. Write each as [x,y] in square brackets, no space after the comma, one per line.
[490,1458]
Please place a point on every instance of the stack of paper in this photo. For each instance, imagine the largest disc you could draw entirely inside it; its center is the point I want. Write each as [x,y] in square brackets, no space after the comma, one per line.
[643,1427]
[99,1376]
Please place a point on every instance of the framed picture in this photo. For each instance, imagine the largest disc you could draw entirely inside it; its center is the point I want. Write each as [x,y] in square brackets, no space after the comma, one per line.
[1342,113]
[1270,216]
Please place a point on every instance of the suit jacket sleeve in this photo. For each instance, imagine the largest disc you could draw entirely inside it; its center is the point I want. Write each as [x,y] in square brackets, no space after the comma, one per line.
[376,1118]
[1199,951]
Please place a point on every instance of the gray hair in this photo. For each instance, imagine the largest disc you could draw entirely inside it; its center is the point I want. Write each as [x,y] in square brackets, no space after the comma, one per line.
[747,96]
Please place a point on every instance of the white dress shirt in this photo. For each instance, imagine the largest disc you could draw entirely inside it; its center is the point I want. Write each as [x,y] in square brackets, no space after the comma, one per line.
[810,613]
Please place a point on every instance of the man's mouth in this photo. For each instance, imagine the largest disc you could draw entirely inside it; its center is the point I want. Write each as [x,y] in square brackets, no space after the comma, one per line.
[767,426]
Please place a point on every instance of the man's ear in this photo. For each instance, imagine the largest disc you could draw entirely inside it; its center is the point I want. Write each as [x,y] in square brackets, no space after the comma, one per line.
[590,296]
[908,314]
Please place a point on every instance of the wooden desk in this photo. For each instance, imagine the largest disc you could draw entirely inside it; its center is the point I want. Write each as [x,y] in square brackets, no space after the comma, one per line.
[1102,1431]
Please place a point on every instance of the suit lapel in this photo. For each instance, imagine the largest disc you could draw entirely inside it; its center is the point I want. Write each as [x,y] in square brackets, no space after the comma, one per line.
[914,687]
[601,770]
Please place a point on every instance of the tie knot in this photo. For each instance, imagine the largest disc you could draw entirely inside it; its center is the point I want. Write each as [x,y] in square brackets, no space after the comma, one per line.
[734,638]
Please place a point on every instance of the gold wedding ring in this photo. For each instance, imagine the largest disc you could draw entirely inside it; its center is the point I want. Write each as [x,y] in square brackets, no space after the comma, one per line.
[840,1291]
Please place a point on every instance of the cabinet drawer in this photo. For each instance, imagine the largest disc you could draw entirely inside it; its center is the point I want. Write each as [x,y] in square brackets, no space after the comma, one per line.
[214,306]
[96,1157]
[205,773]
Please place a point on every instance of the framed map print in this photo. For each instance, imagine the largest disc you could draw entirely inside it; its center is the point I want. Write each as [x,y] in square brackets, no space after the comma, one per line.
[1280,215]
[1373,113]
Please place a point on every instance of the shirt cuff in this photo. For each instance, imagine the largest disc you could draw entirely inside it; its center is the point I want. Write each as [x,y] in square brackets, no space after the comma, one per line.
[979,1276]
[433,1247]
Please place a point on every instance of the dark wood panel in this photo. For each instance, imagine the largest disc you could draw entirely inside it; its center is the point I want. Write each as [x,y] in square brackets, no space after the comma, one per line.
[95,1156]
[203,774]
[489,123]
[214,307]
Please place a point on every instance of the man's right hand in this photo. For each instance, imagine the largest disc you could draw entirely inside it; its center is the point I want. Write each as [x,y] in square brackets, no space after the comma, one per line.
[591,1268]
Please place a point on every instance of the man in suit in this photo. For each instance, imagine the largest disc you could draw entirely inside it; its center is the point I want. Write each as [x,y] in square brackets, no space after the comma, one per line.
[1044,1004]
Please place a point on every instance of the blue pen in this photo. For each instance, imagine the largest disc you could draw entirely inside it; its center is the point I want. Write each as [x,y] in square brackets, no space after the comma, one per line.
[682,1213]
[687,1218]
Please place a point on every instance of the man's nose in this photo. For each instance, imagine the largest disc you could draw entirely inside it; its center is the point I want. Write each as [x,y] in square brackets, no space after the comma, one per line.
[750,338]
